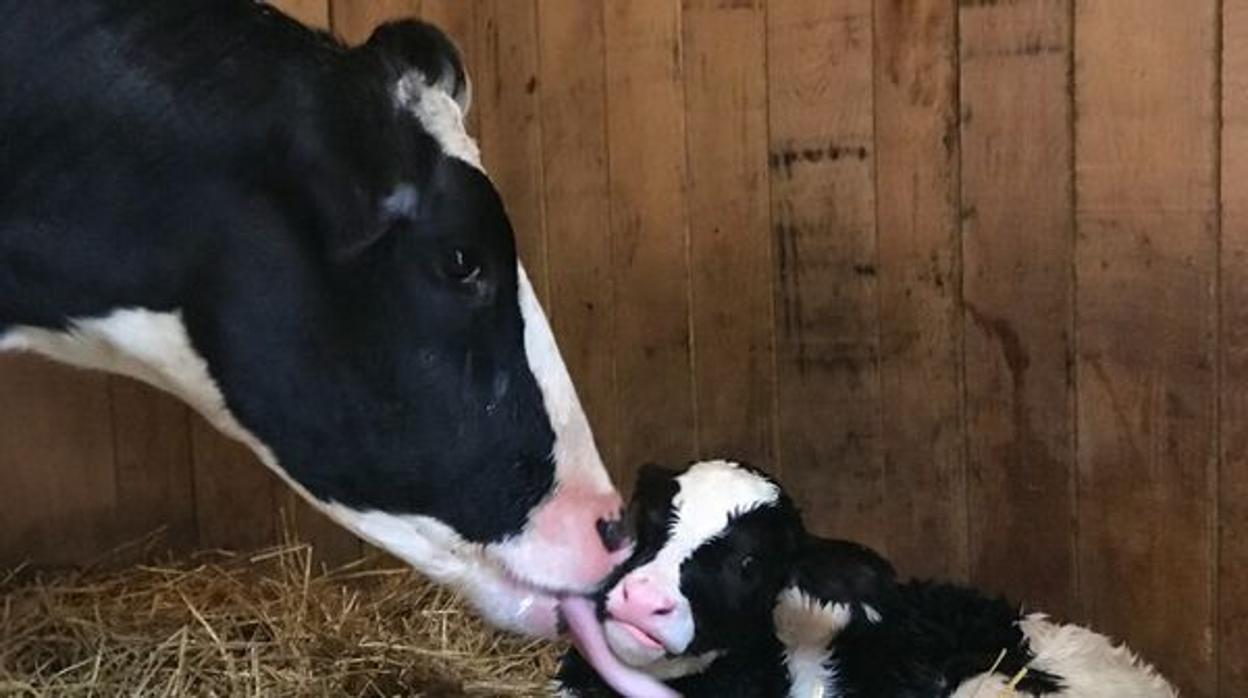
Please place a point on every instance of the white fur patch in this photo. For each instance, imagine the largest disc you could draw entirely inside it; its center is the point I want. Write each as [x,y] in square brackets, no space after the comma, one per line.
[149,346]
[711,492]
[1088,665]
[670,668]
[807,628]
[576,454]
[441,116]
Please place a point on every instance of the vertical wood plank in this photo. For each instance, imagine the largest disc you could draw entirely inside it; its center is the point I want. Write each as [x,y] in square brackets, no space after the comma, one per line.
[1232,580]
[823,217]
[916,139]
[155,481]
[57,476]
[314,13]
[354,20]
[646,138]
[508,108]
[729,227]
[236,497]
[1145,260]
[1017,189]
[572,89]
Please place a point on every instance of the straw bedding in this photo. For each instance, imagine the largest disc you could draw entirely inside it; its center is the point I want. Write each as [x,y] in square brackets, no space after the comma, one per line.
[268,624]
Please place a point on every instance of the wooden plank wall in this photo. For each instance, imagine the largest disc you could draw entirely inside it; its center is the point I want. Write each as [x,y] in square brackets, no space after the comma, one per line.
[970,275]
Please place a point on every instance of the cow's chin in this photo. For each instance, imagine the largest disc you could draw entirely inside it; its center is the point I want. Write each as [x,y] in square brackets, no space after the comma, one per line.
[507,598]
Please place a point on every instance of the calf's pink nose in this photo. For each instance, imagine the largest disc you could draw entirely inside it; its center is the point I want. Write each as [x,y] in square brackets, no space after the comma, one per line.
[644,598]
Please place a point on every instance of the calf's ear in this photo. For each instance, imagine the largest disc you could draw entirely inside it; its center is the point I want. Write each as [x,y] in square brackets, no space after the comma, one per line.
[831,584]
[651,473]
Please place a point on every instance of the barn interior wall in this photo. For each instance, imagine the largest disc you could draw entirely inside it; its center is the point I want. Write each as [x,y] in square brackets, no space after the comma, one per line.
[969,276]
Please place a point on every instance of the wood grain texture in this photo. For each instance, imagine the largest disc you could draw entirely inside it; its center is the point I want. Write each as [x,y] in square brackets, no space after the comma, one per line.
[314,13]
[354,20]
[235,495]
[509,110]
[1232,571]
[155,481]
[581,305]
[57,474]
[1017,232]
[649,228]
[918,270]
[725,64]
[1146,267]
[820,90]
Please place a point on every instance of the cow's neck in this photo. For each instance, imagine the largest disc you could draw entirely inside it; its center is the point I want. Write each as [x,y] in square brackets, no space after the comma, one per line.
[149,346]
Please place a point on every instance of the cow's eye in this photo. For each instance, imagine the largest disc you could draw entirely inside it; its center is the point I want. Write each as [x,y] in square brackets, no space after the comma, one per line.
[461,266]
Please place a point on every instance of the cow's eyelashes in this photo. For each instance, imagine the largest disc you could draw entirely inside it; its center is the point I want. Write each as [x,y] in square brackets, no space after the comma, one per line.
[460,265]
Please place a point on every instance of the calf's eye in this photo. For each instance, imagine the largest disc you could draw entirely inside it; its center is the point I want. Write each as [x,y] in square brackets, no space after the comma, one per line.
[747,565]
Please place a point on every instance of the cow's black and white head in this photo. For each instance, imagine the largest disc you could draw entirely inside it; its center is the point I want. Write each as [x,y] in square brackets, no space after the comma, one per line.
[347,300]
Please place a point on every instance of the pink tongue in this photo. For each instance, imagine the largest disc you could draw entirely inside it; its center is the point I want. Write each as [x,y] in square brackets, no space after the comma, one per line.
[587,634]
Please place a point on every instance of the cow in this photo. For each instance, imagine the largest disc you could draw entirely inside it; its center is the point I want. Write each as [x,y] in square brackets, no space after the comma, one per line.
[297,239]
[728,596]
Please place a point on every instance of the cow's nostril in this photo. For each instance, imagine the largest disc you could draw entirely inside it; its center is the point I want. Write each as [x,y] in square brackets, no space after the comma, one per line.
[613,532]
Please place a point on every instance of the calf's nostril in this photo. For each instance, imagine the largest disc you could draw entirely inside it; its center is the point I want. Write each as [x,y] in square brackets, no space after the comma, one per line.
[613,532]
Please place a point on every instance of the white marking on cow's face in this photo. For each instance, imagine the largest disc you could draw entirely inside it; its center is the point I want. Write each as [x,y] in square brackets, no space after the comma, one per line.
[709,495]
[576,454]
[559,542]
[1087,664]
[440,115]
[807,628]
[444,556]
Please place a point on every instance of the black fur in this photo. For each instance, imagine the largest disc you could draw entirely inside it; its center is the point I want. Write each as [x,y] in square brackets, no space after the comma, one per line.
[217,158]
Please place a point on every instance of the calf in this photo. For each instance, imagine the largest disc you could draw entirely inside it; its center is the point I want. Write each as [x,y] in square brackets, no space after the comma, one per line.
[727,595]
[298,239]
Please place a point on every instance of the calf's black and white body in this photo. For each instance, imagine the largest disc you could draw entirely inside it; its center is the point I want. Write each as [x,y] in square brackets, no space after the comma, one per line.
[298,239]
[727,595]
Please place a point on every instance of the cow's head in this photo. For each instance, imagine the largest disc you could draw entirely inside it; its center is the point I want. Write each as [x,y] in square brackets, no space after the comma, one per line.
[391,358]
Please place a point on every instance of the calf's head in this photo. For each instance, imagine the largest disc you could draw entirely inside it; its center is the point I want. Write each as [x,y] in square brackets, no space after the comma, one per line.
[722,558]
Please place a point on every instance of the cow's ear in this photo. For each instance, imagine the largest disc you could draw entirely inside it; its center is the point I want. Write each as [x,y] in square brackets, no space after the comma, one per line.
[832,583]
[410,46]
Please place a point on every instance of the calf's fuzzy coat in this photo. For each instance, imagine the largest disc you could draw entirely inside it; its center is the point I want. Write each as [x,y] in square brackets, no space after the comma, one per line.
[727,595]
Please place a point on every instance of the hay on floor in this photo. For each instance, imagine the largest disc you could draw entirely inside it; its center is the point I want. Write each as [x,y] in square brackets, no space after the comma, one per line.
[266,624]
